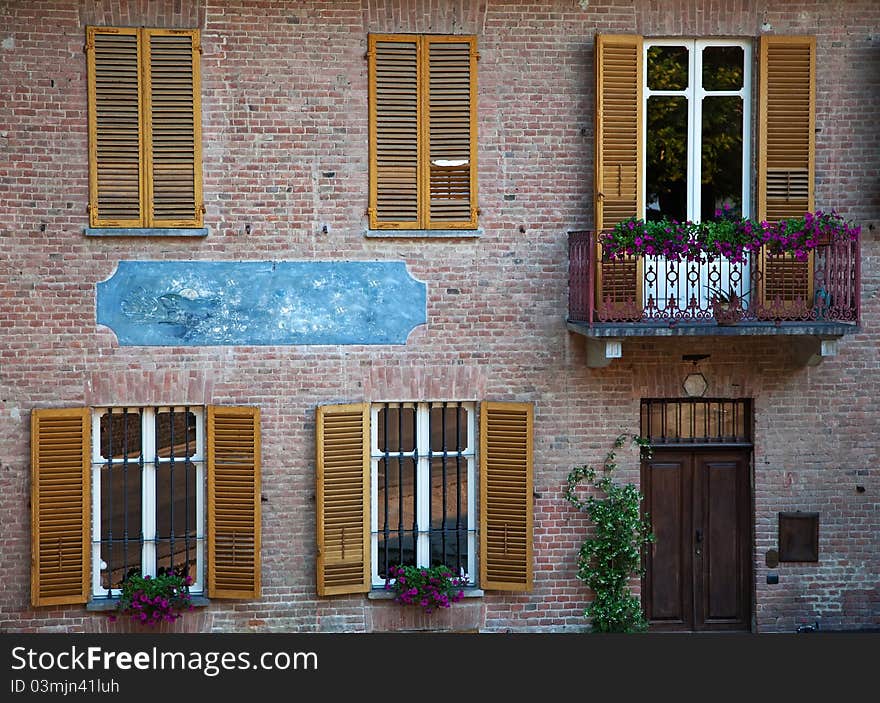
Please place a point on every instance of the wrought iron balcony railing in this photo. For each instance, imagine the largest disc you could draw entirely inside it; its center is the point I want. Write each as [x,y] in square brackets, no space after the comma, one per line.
[770,288]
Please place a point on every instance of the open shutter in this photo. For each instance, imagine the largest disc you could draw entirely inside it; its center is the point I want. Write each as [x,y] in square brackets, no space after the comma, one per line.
[343,499]
[115,146]
[619,191]
[450,75]
[60,506]
[786,163]
[233,502]
[787,111]
[506,492]
[394,131]
[173,128]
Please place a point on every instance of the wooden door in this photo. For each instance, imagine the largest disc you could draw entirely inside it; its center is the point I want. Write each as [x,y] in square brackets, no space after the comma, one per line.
[699,568]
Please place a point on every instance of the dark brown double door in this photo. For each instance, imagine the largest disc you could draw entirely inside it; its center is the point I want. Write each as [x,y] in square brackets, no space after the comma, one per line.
[699,568]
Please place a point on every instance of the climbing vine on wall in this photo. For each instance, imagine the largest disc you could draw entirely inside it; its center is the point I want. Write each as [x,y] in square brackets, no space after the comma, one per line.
[609,558]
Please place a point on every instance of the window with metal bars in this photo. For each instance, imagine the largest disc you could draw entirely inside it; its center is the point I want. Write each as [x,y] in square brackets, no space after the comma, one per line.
[148,496]
[423,496]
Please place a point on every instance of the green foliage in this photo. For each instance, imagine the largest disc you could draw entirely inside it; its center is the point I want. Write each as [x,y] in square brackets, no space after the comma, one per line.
[431,588]
[150,600]
[612,556]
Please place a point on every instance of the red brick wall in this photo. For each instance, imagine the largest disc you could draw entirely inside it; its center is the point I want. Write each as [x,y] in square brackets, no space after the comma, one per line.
[285,152]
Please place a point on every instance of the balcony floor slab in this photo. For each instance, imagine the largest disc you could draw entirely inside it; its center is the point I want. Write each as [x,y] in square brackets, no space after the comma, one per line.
[710,329]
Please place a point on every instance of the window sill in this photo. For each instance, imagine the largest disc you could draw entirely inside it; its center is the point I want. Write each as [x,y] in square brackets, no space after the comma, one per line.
[379,593]
[146,231]
[423,233]
[99,605]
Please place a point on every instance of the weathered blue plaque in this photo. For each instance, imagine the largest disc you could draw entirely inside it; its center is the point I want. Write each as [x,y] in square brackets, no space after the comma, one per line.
[203,303]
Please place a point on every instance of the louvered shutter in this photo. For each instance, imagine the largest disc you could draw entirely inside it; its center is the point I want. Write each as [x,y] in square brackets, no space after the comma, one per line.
[506,494]
[60,506]
[343,499]
[450,140]
[173,128]
[786,162]
[115,146]
[394,131]
[619,191]
[787,114]
[233,502]
[423,145]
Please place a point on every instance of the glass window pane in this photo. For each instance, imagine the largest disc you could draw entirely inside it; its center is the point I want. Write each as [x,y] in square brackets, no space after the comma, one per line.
[121,435]
[668,68]
[119,560]
[448,510]
[396,513]
[176,515]
[666,158]
[448,428]
[120,522]
[722,155]
[175,434]
[397,429]
[723,67]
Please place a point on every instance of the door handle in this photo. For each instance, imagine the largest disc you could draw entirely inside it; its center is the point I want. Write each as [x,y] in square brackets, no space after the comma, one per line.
[698,538]
[699,535]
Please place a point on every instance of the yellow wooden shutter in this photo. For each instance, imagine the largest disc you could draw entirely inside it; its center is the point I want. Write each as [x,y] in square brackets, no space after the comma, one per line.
[233,502]
[506,494]
[60,506]
[172,121]
[450,152]
[115,135]
[423,131]
[343,499]
[394,131]
[619,190]
[787,117]
[786,163]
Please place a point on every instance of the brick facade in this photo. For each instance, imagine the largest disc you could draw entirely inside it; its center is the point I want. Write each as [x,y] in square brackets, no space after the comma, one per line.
[284,89]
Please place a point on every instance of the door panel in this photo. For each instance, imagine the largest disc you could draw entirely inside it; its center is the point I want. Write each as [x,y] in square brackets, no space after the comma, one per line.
[699,568]
[666,485]
[720,568]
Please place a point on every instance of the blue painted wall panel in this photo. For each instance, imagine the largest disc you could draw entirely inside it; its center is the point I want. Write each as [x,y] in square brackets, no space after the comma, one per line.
[204,303]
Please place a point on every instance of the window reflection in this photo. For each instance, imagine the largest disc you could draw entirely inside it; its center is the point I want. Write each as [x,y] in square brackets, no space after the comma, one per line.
[722,155]
[667,156]
[723,67]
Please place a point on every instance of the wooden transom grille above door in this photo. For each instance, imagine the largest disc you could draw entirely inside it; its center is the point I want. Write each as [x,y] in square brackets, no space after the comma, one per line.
[698,497]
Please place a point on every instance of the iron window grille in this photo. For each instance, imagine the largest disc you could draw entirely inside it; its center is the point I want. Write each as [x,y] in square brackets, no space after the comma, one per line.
[423,508]
[148,494]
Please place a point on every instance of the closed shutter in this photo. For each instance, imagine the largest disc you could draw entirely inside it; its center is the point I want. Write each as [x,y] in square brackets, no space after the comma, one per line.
[115,146]
[787,115]
[173,128]
[619,191]
[144,128]
[394,131]
[451,72]
[60,506]
[506,494]
[233,502]
[343,499]
[423,147]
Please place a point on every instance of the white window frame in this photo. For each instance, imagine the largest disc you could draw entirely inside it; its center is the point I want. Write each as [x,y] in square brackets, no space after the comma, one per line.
[694,94]
[423,518]
[148,493]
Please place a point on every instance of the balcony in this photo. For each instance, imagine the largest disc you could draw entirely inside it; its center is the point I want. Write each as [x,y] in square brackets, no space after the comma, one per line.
[812,303]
